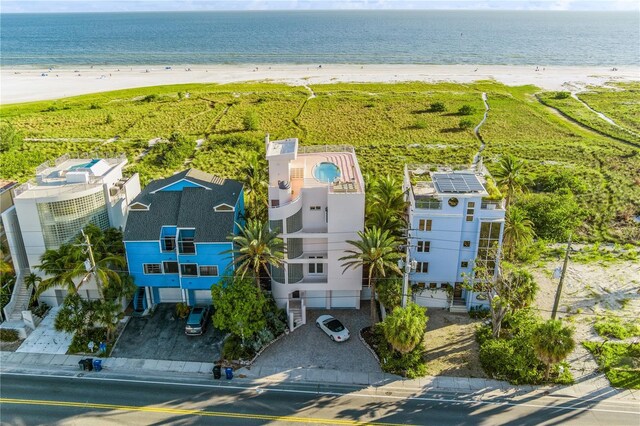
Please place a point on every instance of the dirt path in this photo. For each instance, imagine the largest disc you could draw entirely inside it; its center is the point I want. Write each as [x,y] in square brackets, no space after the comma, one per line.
[476,131]
[451,346]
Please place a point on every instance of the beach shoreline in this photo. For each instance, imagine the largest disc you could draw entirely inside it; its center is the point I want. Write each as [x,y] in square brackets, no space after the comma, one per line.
[26,84]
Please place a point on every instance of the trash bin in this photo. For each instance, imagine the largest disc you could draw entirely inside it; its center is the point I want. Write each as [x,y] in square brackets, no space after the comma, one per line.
[82,365]
[97,364]
[89,364]
[229,372]
[217,371]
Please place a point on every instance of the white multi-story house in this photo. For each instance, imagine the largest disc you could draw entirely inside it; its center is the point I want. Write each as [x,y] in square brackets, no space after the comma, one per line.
[454,224]
[316,197]
[66,195]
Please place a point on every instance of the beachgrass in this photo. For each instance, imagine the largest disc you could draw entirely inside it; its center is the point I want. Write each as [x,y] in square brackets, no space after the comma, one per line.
[388,124]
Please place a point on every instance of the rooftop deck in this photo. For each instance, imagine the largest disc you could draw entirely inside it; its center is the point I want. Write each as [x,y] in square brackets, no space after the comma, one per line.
[349,180]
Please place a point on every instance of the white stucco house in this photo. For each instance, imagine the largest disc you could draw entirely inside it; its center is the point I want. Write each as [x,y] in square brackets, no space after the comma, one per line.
[453,225]
[316,197]
[65,196]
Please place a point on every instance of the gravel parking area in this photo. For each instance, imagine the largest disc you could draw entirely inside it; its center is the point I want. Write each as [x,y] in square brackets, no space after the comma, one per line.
[161,336]
[310,347]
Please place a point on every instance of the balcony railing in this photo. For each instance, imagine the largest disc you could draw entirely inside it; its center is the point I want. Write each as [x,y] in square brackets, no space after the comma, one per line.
[492,204]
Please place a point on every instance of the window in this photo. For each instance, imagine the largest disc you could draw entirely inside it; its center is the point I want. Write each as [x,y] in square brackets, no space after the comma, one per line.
[186,244]
[471,208]
[170,267]
[466,244]
[209,271]
[314,208]
[488,246]
[453,201]
[168,243]
[189,269]
[152,268]
[424,225]
[316,268]
[422,268]
[424,246]
[464,264]
[433,285]
[276,225]
[294,222]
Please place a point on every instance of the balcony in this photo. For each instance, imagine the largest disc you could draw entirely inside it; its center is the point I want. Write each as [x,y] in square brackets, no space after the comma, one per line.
[492,204]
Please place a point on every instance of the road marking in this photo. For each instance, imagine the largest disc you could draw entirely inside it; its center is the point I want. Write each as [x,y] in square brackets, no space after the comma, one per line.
[193,412]
[358,393]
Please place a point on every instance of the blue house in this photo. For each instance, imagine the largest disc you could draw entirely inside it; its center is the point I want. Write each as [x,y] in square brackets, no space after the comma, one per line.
[176,236]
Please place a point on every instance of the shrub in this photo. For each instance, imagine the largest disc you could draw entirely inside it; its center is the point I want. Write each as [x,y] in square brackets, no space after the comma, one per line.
[465,124]
[108,119]
[614,327]
[479,312]
[619,361]
[7,335]
[466,110]
[561,95]
[182,310]
[554,216]
[94,106]
[150,98]
[233,349]
[437,107]
[10,138]
[80,341]
[409,365]
[251,121]
[421,124]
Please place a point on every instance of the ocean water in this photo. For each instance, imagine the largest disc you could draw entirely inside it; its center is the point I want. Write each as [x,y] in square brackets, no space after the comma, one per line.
[395,37]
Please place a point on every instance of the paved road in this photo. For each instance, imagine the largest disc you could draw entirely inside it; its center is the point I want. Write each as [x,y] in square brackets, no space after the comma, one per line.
[35,399]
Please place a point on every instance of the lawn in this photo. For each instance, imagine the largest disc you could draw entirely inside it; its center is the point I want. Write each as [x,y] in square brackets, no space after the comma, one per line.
[388,124]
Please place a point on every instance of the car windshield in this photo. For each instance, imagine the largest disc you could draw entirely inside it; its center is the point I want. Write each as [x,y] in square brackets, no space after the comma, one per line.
[194,318]
[334,325]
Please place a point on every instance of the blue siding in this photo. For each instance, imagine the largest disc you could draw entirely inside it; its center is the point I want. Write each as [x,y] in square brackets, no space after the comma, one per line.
[180,185]
[207,254]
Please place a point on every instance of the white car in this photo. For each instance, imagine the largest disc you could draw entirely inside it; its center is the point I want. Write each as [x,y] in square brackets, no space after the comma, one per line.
[334,328]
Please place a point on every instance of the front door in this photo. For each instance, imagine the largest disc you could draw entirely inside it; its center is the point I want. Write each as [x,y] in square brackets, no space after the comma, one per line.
[295,295]
[457,290]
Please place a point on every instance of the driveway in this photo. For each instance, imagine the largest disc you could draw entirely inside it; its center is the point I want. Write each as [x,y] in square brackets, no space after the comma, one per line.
[161,336]
[309,347]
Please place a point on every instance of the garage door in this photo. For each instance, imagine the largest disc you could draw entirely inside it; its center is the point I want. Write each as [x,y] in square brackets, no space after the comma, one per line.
[315,299]
[344,298]
[202,297]
[169,295]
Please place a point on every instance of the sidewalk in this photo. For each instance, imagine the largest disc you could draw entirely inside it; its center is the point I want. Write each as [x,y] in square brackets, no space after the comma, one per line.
[10,361]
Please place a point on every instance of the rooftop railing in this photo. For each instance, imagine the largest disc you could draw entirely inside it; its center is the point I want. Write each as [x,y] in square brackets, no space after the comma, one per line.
[312,149]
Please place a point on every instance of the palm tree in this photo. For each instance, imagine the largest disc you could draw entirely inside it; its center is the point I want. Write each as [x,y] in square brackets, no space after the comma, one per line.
[108,313]
[386,207]
[404,328]
[552,343]
[255,249]
[377,252]
[71,262]
[255,184]
[518,231]
[510,177]
[31,281]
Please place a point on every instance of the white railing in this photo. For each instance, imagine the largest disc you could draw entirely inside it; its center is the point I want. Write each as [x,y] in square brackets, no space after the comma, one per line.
[17,287]
[313,149]
[287,203]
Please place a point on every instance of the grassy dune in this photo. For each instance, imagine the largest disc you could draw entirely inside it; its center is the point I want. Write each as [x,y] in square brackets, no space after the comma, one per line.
[388,124]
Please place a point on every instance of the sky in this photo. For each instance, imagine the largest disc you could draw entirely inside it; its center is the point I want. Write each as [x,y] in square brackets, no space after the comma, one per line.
[55,6]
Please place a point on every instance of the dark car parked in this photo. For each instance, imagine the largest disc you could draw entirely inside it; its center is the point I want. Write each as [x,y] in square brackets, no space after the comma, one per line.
[197,321]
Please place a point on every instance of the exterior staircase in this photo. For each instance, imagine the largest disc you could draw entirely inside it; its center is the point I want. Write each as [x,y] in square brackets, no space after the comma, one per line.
[458,305]
[296,313]
[139,302]
[21,295]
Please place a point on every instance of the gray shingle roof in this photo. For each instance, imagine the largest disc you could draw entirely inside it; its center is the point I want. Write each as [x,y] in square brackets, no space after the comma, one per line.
[189,208]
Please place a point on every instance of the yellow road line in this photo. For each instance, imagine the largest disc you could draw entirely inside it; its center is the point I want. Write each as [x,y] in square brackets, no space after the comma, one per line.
[167,410]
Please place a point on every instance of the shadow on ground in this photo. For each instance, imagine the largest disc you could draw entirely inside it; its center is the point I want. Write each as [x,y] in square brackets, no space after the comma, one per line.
[161,336]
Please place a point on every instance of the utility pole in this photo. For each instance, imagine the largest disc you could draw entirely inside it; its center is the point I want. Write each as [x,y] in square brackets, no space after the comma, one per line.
[556,303]
[90,249]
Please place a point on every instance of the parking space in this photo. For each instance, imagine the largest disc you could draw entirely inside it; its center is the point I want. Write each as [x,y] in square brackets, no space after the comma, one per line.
[161,336]
[309,347]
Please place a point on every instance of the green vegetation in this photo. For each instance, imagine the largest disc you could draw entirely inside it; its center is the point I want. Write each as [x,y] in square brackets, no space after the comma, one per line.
[410,364]
[379,120]
[574,109]
[404,328]
[516,355]
[619,361]
[7,335]
[615,327]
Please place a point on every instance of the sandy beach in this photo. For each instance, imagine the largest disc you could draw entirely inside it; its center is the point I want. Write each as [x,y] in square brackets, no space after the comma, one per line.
[32,84]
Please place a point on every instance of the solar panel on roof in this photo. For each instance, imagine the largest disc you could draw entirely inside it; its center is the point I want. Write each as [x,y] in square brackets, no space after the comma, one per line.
[457,182]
